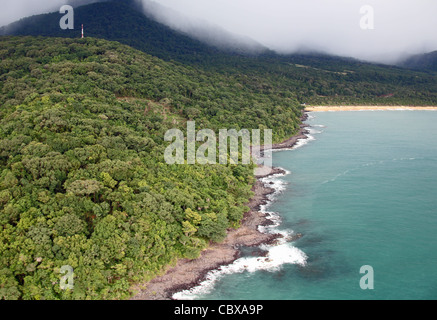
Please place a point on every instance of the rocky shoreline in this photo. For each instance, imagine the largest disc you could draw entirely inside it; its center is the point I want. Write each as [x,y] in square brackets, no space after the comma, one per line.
[189,273]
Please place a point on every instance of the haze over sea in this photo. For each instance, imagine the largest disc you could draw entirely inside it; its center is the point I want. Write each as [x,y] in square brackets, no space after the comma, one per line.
[361,191]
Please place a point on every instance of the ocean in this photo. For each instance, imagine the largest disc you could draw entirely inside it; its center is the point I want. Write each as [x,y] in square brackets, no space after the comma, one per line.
[360,191]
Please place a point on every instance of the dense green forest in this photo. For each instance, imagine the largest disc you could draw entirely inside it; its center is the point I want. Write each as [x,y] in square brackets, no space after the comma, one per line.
[83,180]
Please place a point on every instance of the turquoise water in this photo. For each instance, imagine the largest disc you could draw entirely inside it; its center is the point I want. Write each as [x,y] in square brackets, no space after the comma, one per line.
[364,192]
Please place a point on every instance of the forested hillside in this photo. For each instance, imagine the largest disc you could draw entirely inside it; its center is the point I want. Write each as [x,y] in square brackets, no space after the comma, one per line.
[83,180]
[315,79]
[425,62]
[117,21]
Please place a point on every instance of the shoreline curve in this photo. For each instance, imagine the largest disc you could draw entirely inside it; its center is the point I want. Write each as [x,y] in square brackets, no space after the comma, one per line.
[187,274]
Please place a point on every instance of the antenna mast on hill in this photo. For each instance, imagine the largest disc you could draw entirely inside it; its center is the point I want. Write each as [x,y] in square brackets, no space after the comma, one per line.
[82,31]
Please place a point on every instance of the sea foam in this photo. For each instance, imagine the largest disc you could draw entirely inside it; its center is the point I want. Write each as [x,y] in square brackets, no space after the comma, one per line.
[280,253]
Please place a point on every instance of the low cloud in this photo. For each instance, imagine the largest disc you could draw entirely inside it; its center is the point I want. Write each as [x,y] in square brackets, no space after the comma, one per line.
[200,28]
[401,27]
[333,26]
[13,10]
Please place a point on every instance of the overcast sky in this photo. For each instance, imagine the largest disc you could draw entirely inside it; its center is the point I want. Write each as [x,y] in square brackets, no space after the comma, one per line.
[333,26]
[12,10]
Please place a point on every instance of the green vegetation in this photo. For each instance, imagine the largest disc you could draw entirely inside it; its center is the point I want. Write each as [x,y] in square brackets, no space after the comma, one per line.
[425,62]
[83,180]
[312,78]
[118,21]
[325,80]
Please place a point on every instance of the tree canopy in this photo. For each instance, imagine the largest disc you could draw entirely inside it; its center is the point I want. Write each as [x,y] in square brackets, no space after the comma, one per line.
[83,181]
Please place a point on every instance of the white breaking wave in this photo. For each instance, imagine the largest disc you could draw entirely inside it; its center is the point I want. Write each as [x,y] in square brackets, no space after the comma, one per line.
[309,135]
[300,143]
[310,116]
[278,254]
[276,257]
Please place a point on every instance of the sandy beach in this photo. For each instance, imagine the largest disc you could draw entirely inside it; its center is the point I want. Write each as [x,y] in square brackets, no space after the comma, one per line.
[366,108]
[189,273]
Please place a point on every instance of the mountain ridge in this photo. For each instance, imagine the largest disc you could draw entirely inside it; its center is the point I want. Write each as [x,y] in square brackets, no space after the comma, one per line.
[314,78]
[114,21]
[202,30]
[124,21]
[422,62]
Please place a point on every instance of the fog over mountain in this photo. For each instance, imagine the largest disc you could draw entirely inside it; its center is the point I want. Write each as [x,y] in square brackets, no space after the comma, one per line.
[200,28]
[400,27]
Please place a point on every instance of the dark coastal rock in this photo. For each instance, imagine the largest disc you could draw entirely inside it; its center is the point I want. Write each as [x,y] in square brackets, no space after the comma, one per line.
[188,274]
[259,253]
[294,237]
[267,223]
